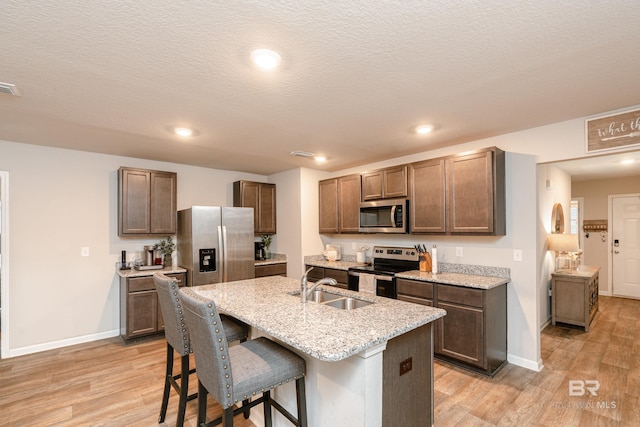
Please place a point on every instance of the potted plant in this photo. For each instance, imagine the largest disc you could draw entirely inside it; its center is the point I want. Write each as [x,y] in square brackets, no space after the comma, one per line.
[266,239]
[166,247]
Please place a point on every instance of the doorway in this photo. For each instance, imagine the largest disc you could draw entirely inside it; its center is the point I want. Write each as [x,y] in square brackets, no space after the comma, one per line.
[625,245]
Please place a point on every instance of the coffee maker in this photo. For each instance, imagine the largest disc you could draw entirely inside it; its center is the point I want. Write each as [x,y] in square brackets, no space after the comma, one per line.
[261,253]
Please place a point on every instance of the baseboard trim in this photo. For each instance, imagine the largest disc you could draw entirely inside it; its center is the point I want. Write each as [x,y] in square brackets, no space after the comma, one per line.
[525,363]
[62,343]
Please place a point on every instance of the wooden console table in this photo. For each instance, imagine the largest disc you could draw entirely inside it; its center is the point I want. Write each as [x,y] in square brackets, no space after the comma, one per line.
[574,296]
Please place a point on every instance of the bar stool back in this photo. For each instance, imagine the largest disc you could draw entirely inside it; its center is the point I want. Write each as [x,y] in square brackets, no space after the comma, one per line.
[232,374]
[177,335]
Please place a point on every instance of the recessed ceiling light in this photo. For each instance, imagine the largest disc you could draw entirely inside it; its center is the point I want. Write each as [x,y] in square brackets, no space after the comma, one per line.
[320,159]
[627,161]
[265,59]
[180,131]
[424,129]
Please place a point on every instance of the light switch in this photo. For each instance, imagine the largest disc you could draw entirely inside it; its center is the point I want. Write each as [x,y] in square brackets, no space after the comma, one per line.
[517,254]
[458,251]
[84,251]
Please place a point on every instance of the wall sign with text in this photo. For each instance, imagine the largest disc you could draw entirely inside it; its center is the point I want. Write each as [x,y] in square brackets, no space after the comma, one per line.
[615,131]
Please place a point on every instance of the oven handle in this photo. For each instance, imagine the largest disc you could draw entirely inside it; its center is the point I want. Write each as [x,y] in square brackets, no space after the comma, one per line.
[375,276]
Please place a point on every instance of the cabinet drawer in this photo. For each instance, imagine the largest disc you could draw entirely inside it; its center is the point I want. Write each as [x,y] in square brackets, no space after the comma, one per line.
[414,288]
[316,274]
[341,276]
[139,284]
[271,270]
[460,295]
[415,300]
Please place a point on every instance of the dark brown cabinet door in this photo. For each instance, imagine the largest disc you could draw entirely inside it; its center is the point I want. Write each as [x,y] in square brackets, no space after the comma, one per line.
[386,183]
[349,204]
[328,206]
[267,209]
[460,334]
[142,313]
[427,196]
[395,182]
[262,198]
[372,185]
[135,199]
[339,205]
[147,202]
[163,203]
[271,270]
[475,193]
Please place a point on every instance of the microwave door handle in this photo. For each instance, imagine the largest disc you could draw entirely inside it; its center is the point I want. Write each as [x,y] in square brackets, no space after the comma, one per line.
[393,215]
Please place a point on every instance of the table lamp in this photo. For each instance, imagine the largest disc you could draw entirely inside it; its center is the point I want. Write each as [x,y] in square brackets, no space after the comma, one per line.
[564,245]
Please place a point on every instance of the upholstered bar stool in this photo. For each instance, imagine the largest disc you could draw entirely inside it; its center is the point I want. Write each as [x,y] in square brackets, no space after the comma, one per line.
[177,335]
[233,374]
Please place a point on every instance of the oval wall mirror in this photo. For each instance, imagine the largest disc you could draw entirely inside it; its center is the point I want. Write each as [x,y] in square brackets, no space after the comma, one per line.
[557,219]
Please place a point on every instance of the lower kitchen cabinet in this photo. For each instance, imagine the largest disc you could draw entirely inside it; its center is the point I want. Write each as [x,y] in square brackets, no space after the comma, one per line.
[140,314]
[473,334]
[271,270]
[318,273]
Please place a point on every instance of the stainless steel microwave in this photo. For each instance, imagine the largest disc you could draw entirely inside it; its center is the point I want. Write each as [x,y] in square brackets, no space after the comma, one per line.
[384,216]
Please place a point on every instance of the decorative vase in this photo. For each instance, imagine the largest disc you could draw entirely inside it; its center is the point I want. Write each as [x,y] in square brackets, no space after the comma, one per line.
[167,262]
[267,253]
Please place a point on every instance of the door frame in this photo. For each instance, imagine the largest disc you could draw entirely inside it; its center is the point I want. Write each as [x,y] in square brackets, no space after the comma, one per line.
[4,271]
[609,228]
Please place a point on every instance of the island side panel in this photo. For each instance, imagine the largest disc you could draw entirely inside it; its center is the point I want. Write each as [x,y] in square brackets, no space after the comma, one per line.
[407,390]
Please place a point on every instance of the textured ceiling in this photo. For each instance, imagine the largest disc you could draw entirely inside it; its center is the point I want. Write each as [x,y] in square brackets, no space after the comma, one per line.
[356,76]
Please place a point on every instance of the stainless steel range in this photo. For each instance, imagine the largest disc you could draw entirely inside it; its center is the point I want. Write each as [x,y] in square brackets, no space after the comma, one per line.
[387,261]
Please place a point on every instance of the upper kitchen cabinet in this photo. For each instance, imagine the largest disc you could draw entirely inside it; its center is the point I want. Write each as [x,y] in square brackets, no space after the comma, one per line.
[262,198]
[427,196]
[475,192]
[146,202]
[339,202]
[388,183]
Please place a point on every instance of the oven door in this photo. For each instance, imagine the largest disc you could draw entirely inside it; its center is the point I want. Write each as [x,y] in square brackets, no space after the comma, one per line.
[385,284]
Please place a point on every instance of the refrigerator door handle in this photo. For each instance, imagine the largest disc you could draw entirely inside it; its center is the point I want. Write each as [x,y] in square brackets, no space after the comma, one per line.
[220,256]
[225,255]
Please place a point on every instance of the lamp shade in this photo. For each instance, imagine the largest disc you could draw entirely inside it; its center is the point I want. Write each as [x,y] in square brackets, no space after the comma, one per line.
[563,243]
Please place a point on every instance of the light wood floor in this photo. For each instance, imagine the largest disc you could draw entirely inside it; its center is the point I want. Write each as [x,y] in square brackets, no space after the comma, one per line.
[105,384]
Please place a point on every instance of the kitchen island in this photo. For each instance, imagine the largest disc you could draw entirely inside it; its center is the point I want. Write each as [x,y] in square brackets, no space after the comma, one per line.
[370,366]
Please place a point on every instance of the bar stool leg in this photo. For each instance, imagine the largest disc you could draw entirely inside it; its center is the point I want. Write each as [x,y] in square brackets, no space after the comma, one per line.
[184,389]
[266,406]
[301,402]
[167,384]
[202,404]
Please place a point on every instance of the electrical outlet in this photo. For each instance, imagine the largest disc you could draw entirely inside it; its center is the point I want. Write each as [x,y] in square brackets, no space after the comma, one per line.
[406,365]
[517,254]
[84,251]
[458,251]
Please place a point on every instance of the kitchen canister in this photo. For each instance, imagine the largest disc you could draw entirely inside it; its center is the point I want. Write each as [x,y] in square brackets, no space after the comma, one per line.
[361,257]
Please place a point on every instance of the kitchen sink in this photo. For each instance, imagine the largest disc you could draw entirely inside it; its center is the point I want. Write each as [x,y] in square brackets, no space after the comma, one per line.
[323,297]
[320,296]
[348,303]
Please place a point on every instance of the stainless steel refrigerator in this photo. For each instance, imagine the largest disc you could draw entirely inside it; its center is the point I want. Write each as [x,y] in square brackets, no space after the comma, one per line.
[215,244]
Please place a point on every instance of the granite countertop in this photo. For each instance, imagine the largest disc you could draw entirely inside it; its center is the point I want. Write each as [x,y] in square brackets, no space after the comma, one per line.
[458,279]
[143,273]
[344,264]
[275,259]
[323,332]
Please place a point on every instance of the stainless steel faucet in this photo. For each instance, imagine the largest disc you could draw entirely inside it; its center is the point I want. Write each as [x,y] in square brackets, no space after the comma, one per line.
[304,292]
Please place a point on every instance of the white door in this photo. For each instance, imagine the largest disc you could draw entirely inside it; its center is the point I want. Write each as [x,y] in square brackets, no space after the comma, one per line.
[625,246]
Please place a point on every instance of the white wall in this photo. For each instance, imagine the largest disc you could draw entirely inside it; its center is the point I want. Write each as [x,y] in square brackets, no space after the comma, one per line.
[60,201]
